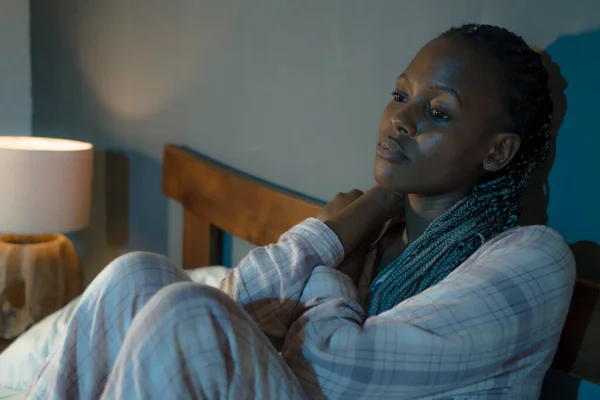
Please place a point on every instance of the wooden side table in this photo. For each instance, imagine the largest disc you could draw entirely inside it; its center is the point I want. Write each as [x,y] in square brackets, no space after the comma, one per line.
[40,274]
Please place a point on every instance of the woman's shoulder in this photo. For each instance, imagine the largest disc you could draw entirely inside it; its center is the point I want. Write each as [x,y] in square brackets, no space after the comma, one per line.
[534,246]
[531,236]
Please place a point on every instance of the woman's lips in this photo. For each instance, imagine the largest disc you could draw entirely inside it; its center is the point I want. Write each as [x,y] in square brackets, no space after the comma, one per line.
[390,150]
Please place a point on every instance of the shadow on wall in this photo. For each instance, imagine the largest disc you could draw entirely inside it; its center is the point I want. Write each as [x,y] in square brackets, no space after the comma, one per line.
[564,192]
[129,211]
[535,201]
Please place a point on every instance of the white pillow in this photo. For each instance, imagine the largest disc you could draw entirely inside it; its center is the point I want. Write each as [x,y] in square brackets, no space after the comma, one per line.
[20,362]
[210,276]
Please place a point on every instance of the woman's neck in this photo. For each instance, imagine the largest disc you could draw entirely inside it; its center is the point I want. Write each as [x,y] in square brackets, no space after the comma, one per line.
[420,212]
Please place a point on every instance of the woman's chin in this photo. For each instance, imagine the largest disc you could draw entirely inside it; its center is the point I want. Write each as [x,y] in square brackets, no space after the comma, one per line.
[389,179]
[388,182]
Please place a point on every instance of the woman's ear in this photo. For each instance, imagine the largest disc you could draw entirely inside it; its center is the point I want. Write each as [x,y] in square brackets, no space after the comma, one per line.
[503,148]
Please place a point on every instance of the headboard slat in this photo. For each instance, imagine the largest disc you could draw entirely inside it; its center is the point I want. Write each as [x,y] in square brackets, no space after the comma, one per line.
[202,242]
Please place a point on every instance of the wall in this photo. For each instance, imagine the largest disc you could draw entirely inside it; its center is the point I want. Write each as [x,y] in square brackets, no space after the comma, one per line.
[287,92]
[15,72]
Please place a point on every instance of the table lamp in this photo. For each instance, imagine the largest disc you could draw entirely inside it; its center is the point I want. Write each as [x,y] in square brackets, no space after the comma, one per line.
[45,191]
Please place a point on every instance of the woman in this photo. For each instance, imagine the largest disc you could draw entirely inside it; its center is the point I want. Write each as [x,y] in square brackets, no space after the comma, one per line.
[436,294]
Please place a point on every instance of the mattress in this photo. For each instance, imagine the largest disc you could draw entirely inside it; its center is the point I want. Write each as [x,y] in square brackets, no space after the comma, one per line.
[20,361]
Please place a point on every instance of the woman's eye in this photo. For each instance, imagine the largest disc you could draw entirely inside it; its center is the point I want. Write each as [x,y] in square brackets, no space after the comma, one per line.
[439,115]
[399,96]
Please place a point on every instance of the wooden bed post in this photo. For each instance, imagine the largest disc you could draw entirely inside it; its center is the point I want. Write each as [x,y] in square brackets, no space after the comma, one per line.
[202,242]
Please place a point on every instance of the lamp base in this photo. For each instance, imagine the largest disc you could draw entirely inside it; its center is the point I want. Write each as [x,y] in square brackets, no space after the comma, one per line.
[38,275]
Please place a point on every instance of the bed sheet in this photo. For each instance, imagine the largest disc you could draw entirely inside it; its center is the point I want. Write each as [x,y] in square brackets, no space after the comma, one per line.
[10,394]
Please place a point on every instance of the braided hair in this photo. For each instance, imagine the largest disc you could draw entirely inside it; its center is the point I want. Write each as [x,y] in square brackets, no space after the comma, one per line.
[493,206]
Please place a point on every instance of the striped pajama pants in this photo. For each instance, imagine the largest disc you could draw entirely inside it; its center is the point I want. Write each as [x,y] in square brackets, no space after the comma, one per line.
[143,330]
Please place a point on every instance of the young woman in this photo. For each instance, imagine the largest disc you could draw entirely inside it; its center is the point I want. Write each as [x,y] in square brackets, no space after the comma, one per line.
[434,294]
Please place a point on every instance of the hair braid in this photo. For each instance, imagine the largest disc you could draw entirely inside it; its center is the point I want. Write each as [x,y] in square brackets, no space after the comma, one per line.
[494,205]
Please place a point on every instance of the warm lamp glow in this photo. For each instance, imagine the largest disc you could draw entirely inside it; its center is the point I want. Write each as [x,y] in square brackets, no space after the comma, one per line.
[29,143]
[46,185]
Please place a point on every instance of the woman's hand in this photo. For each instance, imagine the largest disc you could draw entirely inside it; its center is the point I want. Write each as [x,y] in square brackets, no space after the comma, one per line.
[339,202]
[354,216]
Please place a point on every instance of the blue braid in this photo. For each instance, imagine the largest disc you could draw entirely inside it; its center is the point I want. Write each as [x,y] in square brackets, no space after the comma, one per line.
[493,206]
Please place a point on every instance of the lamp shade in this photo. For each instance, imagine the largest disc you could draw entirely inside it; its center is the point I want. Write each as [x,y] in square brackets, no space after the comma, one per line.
[45,185]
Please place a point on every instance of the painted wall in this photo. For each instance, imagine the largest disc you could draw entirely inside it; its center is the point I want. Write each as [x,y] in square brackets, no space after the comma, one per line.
[290,92]
[15,72]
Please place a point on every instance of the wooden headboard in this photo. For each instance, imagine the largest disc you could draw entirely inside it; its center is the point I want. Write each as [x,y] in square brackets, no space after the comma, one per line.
[216,198]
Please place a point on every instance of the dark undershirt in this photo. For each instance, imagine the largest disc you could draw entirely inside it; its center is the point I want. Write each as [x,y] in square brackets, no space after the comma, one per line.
[390,246]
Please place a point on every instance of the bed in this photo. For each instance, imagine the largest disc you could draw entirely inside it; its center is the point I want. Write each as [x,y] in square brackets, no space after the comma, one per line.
[218,199]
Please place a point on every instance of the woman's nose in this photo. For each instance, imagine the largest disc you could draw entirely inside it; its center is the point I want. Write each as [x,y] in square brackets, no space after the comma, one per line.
[399,126]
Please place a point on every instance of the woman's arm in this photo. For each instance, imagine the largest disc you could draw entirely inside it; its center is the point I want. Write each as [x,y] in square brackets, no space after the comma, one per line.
[501,314]
[269,281]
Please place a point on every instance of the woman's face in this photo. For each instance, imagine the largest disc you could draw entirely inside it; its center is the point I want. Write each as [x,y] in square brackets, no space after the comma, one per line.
[439,126]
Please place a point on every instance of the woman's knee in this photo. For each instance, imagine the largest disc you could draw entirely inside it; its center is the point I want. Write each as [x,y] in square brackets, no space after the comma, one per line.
[140,260]
[187,298]
[192,294]
[136,269]
[190,332]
